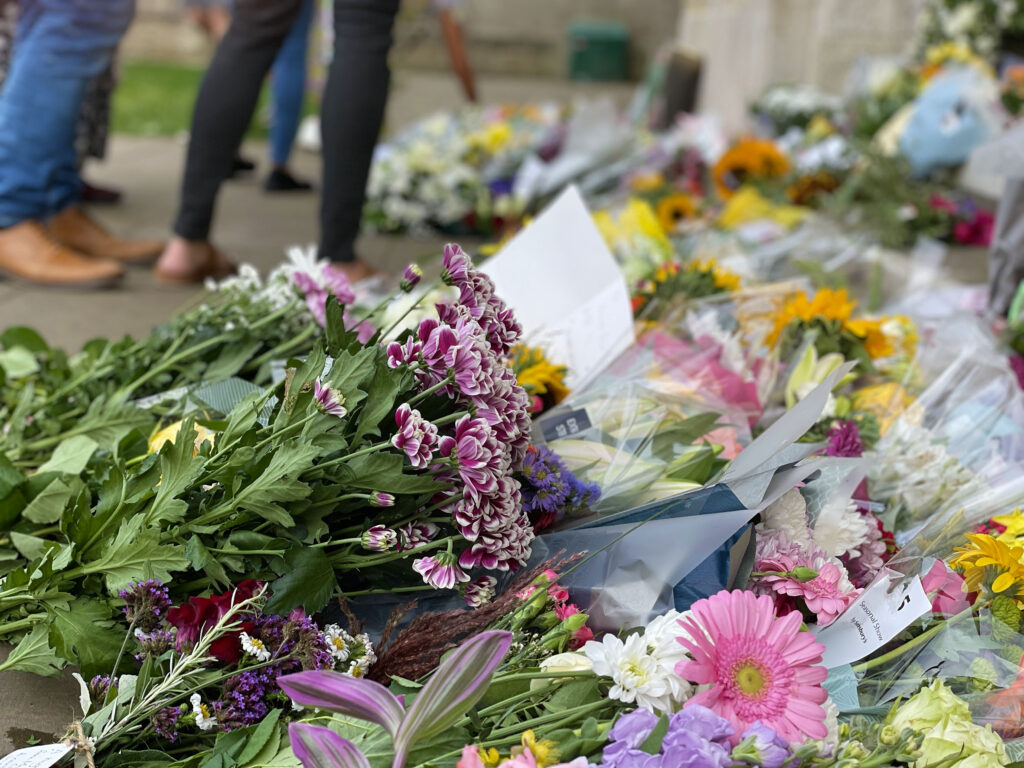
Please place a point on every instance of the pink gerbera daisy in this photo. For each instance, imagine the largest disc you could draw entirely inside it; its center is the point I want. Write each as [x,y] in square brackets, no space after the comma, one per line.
[759,666]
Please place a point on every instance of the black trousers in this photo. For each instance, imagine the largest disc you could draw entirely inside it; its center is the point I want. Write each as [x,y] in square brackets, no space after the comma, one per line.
[352,113]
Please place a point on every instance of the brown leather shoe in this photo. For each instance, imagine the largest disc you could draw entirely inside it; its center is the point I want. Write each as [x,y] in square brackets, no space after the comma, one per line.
[76,230]
[28,252]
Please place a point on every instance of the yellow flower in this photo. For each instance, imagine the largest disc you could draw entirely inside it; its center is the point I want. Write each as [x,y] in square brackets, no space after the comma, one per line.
[725,279]
[957,53]
[544,751]
[747,159]
[673,209]
[1014,523]
[538,375]
[493,138]
[170,433]
[491,758]
[639,219]
[647,182]
[826,305]
[886,401]
[748,205]
[820,127]
[876,343]
[988,558]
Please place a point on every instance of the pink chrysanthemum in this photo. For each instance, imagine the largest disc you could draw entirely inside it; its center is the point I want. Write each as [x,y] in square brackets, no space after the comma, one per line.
[826,596]
[760,667]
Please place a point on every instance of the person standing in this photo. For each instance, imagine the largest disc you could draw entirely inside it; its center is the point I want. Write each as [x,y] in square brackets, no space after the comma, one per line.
[45,236]
[353,111]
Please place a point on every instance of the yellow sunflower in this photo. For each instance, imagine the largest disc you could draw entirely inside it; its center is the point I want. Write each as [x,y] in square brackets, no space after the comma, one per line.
[747,159]
[987,558]
[827,305]
[673,209]
[886,401]
[807,187]
[725,280]
[537,374]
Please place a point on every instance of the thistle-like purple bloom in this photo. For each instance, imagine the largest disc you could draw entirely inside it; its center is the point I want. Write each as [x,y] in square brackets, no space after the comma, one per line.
[165,723]
[145,603]
[155,643]
[844,440]
[329,400]
[98,687]
[379,539]
[440,571]
[416,437]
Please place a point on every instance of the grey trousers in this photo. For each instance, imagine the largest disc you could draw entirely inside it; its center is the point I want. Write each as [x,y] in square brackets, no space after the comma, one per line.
[353,110]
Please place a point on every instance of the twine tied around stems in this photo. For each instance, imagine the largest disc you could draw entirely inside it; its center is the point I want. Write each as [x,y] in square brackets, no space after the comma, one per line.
[82,746]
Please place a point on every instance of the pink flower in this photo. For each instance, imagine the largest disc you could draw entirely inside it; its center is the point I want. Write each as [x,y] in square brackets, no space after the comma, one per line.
[416,437]
[329,400]
[379,539]
[412,535]
[364,328]
[470,758]
[337,282]
[558,593]
[760,667]
[581,637]
[478,456]
[411,276]
[480,591]
[565,610]
[945,589]
[457,265]
[824,595]
[440,571]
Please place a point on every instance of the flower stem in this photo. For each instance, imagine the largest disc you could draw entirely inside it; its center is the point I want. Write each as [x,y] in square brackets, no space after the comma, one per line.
[450,378]
[924,637]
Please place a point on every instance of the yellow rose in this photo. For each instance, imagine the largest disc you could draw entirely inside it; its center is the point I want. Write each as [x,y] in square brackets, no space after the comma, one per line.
[928,706]
[953,735]
[169,433]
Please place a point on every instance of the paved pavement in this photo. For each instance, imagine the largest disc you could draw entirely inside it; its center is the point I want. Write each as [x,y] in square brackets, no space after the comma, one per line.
[251,225]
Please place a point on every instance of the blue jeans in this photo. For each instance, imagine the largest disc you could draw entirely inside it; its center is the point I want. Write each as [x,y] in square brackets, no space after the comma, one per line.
[59,46]
[288,86]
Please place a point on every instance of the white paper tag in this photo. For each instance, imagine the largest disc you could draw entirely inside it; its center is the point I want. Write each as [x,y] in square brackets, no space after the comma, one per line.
[872,621]
[35,757]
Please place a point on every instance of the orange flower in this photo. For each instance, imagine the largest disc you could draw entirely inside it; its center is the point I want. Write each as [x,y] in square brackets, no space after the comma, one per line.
[808,187]
[827,305]
[747,159]
[674,209]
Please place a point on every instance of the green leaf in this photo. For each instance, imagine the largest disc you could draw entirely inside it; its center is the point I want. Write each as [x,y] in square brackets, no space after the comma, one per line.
[382,471]
[136,554]
[179,469]
[71,455]
[260,736]
[18,363]
[277,483]
[652,744]
[142,758]
[48,506]
[201,560]
[309,582]
[84,634]
[231,359]
[33,654]
[380,400]
[21,336]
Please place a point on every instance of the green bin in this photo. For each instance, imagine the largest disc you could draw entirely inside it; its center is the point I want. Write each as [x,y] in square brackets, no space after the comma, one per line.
[598,50]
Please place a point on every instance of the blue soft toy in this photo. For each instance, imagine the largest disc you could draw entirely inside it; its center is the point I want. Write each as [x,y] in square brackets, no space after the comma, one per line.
[946,124]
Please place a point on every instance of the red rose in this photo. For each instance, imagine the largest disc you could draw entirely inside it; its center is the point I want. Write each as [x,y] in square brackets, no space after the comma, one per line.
[201,614]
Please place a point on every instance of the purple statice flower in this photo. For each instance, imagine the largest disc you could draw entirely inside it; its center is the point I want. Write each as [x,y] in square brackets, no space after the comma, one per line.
[329,400]
[98,687]
[403,354]
[381,499]
[165,723]
[412,535]
[145,603]
[624,739]
[479,591]
[844,440]
[155,643]
[411,277]
[760,745]
[440,571]
[379,539]
[457,266]
[244,700]
[416,437]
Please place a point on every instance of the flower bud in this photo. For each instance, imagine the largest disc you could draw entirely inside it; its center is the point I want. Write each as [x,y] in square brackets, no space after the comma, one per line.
[889,735]
[411,277]
[379,539]
[381,499]
[804,574]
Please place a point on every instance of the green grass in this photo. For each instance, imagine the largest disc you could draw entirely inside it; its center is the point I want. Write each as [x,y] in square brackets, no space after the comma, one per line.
[155,98]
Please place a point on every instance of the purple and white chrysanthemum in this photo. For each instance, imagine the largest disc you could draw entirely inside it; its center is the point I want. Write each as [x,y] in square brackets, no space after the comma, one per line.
[329,400]
[440,571]
[378,538]
[416,437]
[480,591]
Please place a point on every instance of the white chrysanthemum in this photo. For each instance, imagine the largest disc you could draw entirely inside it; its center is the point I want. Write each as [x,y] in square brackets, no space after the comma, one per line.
[255,647]
[788,516]
[662,638]
[840,527]
[636,674]
[339,642]
[831,740]
[358,668]
[205,720]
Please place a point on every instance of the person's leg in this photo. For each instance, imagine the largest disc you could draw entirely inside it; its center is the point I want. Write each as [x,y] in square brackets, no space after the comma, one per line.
[353,110]
[288,87]
[224,108]
[60,45]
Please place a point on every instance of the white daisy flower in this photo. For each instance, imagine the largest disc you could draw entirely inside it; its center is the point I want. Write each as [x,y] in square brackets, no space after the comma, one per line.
[255,647]
[204,717]
[339,642]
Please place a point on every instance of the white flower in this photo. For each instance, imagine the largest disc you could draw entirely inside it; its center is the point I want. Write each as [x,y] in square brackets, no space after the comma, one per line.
[358,668]
[637,675]
[339,642]
[788,516]
[255,647]
[204,718]
[662,638]
[840,527]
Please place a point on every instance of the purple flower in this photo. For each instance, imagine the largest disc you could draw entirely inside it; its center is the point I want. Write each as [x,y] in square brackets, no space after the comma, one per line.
[403,354]
[440,571]
[697,738]
[700,721]
[337,282]
[145,603]
[479,591]
[844,440]
[762,746]
[381,499]
[245,697]
[379,539]
[364,328]
[328,400]
[629,732]
[416,437]
[155,643]
[457,265]
[502,329]
[411,276]
[412,535]
[1017,364]
[165,723]
[98,687]
[316,297]
[477,455]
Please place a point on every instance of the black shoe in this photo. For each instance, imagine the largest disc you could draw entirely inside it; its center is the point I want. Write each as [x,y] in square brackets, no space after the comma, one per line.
[241,167]
[282,181]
